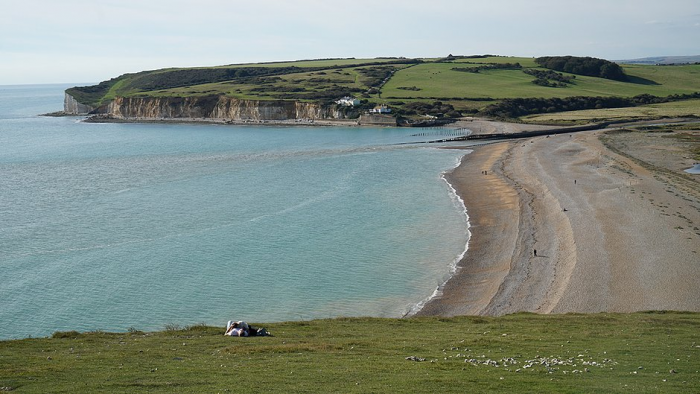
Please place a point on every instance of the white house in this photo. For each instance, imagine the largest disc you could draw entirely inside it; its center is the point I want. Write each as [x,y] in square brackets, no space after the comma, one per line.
[380,109]
[348,101]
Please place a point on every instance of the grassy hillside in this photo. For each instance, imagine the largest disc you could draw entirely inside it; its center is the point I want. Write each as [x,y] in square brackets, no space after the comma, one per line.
[397,82]
[438,80]
[302,80]
[643,352]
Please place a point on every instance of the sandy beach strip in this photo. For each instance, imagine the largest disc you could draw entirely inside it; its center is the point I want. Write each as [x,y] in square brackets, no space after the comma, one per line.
[604,241]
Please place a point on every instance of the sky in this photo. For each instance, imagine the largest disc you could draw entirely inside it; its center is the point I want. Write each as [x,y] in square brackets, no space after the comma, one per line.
[81,41]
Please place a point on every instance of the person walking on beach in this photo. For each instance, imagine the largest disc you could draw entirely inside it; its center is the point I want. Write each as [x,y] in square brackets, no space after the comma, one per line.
[535,250]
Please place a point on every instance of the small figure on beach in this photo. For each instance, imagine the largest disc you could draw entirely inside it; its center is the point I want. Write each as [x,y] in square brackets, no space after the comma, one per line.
[535,250]
[574,181]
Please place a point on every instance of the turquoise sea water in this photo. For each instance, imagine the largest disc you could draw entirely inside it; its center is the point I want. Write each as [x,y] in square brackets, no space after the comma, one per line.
[113,226]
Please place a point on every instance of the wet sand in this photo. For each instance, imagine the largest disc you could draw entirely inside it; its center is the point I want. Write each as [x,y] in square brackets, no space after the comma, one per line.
[610,234]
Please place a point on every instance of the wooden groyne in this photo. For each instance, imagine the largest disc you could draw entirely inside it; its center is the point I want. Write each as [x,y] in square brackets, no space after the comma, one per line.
[524,134]
[443,132]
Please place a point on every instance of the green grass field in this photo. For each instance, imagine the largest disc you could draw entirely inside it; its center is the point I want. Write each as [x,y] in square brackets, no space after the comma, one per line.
[312,81]
[641,352]
[439,80]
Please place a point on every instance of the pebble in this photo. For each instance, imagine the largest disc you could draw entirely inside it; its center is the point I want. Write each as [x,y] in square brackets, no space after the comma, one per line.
[552,364]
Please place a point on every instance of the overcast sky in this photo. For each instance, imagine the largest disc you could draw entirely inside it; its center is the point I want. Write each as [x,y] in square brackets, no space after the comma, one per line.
[79,41]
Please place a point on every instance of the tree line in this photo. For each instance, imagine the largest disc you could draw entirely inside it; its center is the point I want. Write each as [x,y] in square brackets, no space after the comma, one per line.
[517,107]
[489,66]
[436,108]
[549,78]
[589,66]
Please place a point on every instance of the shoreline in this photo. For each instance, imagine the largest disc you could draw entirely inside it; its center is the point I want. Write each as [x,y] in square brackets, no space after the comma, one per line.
[454,266]
[601,247]
[471,283]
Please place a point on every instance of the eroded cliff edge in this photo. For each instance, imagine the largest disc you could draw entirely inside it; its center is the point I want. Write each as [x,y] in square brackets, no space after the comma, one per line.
[71,106]
[206,107]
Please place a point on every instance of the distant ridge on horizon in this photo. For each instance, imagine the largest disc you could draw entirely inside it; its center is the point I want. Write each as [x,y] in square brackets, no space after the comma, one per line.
[663,60]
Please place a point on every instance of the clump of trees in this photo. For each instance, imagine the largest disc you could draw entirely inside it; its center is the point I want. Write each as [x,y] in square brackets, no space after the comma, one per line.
[489,66]
[375,76]
[517,107]
[436,108]
[589,66]
[549,78]
[451,58]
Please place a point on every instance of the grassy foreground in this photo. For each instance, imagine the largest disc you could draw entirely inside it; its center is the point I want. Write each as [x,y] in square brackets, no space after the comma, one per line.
[642,352]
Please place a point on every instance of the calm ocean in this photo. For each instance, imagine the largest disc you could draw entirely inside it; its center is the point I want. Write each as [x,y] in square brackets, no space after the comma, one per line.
[114,226]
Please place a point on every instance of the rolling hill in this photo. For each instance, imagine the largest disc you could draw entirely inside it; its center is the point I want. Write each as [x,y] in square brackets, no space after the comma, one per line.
[452,86]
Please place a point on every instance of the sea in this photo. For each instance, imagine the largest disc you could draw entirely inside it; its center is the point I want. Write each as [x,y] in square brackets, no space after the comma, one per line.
[117,227]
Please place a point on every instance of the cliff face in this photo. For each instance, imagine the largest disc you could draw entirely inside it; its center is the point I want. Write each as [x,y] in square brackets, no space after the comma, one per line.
[71,106]
[215,107]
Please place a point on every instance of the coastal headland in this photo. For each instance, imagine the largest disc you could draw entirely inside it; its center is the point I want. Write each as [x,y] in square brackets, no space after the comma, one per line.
[596,221]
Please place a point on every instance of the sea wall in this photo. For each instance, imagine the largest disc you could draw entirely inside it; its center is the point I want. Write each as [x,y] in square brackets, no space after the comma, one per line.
[215,108]
[377,120]
[71,106]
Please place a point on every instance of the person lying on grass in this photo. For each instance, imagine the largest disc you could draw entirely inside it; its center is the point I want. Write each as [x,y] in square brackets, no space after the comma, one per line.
[242,329]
